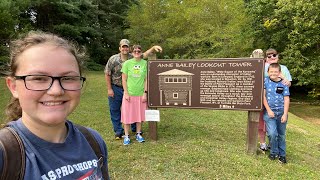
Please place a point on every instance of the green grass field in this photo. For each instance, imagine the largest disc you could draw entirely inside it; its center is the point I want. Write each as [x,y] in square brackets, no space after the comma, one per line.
[194,144]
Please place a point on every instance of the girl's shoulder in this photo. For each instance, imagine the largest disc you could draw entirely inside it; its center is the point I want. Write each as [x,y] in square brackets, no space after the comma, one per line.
[97,137]
[283,67]
[93,132]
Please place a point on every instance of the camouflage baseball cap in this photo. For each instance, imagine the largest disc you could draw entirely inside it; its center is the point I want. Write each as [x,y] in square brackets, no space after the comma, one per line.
[124,42]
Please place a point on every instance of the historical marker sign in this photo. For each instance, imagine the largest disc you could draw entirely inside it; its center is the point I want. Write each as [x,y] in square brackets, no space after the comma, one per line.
[233,84]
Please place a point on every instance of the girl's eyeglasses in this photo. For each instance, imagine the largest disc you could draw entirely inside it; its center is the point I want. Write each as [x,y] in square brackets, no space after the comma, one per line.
[272,55]
[44,82]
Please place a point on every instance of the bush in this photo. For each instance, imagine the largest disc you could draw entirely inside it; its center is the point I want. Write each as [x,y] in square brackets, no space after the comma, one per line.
[3,64]
[93,66]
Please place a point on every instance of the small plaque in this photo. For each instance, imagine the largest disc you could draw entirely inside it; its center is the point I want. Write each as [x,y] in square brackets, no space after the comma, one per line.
[152,115]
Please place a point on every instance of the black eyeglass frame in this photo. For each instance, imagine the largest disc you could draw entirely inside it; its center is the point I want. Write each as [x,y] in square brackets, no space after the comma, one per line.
[83,79]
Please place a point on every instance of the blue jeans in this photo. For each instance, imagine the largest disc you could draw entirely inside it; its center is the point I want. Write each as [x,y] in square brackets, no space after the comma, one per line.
[115,110]
[276,132]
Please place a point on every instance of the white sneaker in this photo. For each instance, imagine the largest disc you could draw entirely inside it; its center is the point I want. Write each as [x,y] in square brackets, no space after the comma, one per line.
[263,147]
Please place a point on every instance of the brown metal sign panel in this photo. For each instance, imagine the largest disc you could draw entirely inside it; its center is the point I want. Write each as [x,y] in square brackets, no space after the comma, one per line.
[228,83]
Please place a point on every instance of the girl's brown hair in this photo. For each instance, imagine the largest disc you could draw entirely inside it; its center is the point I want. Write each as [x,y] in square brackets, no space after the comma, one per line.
[271,51]
[136,46]
[17,47]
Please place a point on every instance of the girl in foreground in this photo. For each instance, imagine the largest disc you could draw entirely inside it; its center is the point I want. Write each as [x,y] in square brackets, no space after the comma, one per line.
[45,80]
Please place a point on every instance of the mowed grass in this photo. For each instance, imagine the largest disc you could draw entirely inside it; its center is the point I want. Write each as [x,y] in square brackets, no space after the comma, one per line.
[306,111]
[194,144]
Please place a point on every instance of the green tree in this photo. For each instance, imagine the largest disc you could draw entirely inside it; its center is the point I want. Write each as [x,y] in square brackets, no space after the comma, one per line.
[96,25]
[191,29]
[292,27]
[111,18]
[73,19]
[9,23]
[6,21]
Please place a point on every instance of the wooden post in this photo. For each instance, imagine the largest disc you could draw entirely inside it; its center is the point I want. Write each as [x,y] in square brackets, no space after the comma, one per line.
[153,132]
[252,131]
[253,119]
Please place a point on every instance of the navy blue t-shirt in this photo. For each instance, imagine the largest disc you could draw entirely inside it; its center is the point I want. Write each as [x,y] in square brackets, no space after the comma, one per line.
[73,159]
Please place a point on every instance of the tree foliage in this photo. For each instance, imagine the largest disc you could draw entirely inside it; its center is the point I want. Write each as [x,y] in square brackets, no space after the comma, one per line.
[9,19]
[292,27]
[96,25]
[191,29]
[184,28]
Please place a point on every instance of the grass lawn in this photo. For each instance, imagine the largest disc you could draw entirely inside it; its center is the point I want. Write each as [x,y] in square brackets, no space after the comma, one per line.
[306,111]
[196,144]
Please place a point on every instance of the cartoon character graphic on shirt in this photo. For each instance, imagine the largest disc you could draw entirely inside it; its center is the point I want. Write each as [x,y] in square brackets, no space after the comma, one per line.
[136,71]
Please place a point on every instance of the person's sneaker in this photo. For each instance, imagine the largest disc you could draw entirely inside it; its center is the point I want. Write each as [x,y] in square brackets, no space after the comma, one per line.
[139,138]
[272,156]
[126,140]
[263,147]
[268,146]
[282,159]
[118,136]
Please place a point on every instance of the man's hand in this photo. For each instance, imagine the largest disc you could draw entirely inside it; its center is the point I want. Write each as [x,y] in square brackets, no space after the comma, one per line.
[150,51]
[257,53]
[157,48]
[110,93]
